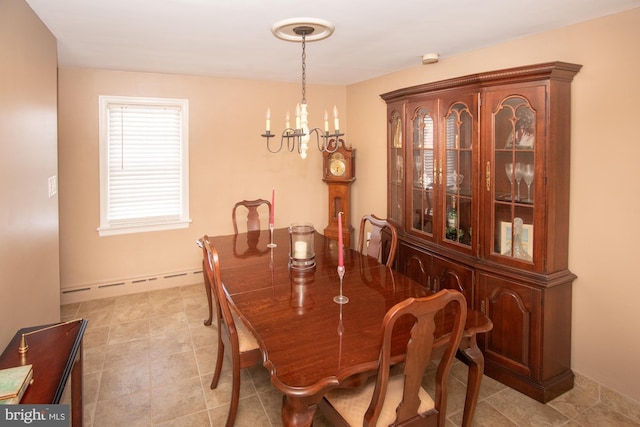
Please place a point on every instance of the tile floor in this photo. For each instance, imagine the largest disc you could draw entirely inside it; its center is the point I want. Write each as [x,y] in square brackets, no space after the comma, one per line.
[149,360]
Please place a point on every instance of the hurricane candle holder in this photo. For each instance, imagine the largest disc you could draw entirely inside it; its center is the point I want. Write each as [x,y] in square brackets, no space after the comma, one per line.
[301,247]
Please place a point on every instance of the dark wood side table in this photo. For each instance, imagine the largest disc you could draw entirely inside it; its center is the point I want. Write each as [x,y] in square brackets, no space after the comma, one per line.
[56,355]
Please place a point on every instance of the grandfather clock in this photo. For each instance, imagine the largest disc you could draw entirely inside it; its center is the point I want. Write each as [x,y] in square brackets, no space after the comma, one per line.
[339,172]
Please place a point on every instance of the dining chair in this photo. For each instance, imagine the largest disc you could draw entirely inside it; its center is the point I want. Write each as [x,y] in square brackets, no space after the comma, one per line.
[399,398]
[233,334]
[253,216]
[373,245]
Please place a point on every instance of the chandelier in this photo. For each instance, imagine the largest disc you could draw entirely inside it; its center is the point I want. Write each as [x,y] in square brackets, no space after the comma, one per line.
[298,137]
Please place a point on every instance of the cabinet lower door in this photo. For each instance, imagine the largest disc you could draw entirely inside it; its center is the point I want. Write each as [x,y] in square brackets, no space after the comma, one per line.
[450,275]
[514,310]
[416,264]
[529,347]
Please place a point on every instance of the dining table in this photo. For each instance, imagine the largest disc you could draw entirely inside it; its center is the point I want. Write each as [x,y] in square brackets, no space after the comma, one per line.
[310,343]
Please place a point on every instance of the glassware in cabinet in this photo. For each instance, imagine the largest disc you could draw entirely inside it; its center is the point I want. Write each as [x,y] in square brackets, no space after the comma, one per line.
[396,164]
[514,162]
[458,164]
[424,173]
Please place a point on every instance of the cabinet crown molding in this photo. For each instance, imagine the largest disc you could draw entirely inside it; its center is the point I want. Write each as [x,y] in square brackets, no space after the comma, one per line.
[556,70]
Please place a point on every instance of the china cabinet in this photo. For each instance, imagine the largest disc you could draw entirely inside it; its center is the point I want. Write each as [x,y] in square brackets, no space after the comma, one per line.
[478,187]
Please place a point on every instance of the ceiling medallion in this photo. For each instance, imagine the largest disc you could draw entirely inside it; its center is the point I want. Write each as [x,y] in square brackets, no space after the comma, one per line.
[316,29]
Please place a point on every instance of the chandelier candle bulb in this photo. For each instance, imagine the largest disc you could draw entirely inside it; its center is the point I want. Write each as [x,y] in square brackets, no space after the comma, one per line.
[326,121]
[336,122]
[268,120]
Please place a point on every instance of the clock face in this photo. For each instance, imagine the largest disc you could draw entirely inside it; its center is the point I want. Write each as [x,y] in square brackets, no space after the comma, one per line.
[337,167]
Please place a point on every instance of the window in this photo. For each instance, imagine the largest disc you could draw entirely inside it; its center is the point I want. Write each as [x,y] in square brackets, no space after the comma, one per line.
[144,164]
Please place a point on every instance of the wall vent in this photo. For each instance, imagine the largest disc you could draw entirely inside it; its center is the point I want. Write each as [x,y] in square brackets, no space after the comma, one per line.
[111,284]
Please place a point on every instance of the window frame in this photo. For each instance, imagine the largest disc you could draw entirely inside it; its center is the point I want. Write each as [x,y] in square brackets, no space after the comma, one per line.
[145,224]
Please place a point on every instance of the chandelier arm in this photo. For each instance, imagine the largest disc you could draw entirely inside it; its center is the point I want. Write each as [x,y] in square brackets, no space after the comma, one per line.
[335,142]
[319,136]
[291,142]
[269,145]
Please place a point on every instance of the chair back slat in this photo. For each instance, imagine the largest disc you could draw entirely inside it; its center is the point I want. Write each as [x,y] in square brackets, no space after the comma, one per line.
[426,313]
[374,244]
[253,216]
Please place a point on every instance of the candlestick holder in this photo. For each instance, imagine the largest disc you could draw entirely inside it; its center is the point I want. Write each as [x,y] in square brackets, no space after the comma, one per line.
[340,327]
[271,244]
[23,347]
[340,299]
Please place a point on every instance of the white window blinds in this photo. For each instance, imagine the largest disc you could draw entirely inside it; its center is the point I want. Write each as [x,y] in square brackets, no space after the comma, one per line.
[144,164]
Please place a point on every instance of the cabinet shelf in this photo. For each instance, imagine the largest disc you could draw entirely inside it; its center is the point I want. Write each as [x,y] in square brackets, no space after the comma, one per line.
[462,193]
[502,198]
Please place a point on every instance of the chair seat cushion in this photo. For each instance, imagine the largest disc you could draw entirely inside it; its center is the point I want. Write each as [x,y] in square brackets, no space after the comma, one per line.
[352,403]
[246,340]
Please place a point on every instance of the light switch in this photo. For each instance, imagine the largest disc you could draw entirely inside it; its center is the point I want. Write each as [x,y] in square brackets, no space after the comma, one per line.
[53,185]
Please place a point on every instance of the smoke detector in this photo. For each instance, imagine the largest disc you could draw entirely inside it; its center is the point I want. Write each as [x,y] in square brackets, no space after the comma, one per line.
[429,58]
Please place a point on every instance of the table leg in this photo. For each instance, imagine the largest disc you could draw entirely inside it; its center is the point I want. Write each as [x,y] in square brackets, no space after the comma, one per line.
[298,411]
[207,289]
[474,378]
[76,392]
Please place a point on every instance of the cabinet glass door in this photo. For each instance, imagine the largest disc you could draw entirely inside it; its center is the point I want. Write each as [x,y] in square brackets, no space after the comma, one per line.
[458,166]
[514,162]
[423,168]
[396,166]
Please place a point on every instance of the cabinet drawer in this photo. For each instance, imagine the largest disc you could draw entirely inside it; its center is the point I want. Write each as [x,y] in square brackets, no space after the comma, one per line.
[436,273]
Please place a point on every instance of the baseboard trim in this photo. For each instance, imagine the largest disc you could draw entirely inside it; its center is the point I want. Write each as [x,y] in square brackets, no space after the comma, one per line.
[134,285]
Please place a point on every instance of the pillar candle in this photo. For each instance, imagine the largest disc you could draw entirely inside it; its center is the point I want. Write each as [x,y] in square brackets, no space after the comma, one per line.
[300,250]
[340,254]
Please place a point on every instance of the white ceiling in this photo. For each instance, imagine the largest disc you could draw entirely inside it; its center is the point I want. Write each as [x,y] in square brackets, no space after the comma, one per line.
[232,38]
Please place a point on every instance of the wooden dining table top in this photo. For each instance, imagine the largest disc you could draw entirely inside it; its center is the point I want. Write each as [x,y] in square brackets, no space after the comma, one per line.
[310,343]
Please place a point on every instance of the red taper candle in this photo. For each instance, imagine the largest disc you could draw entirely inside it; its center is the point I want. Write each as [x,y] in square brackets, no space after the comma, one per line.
[273,206]
[340,254]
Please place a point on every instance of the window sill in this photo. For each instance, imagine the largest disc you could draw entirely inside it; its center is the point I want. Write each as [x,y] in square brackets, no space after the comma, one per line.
[113,230]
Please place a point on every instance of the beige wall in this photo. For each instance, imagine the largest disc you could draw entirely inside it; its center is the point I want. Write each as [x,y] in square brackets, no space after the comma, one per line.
[29,267]
[605,207]
[229,162]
